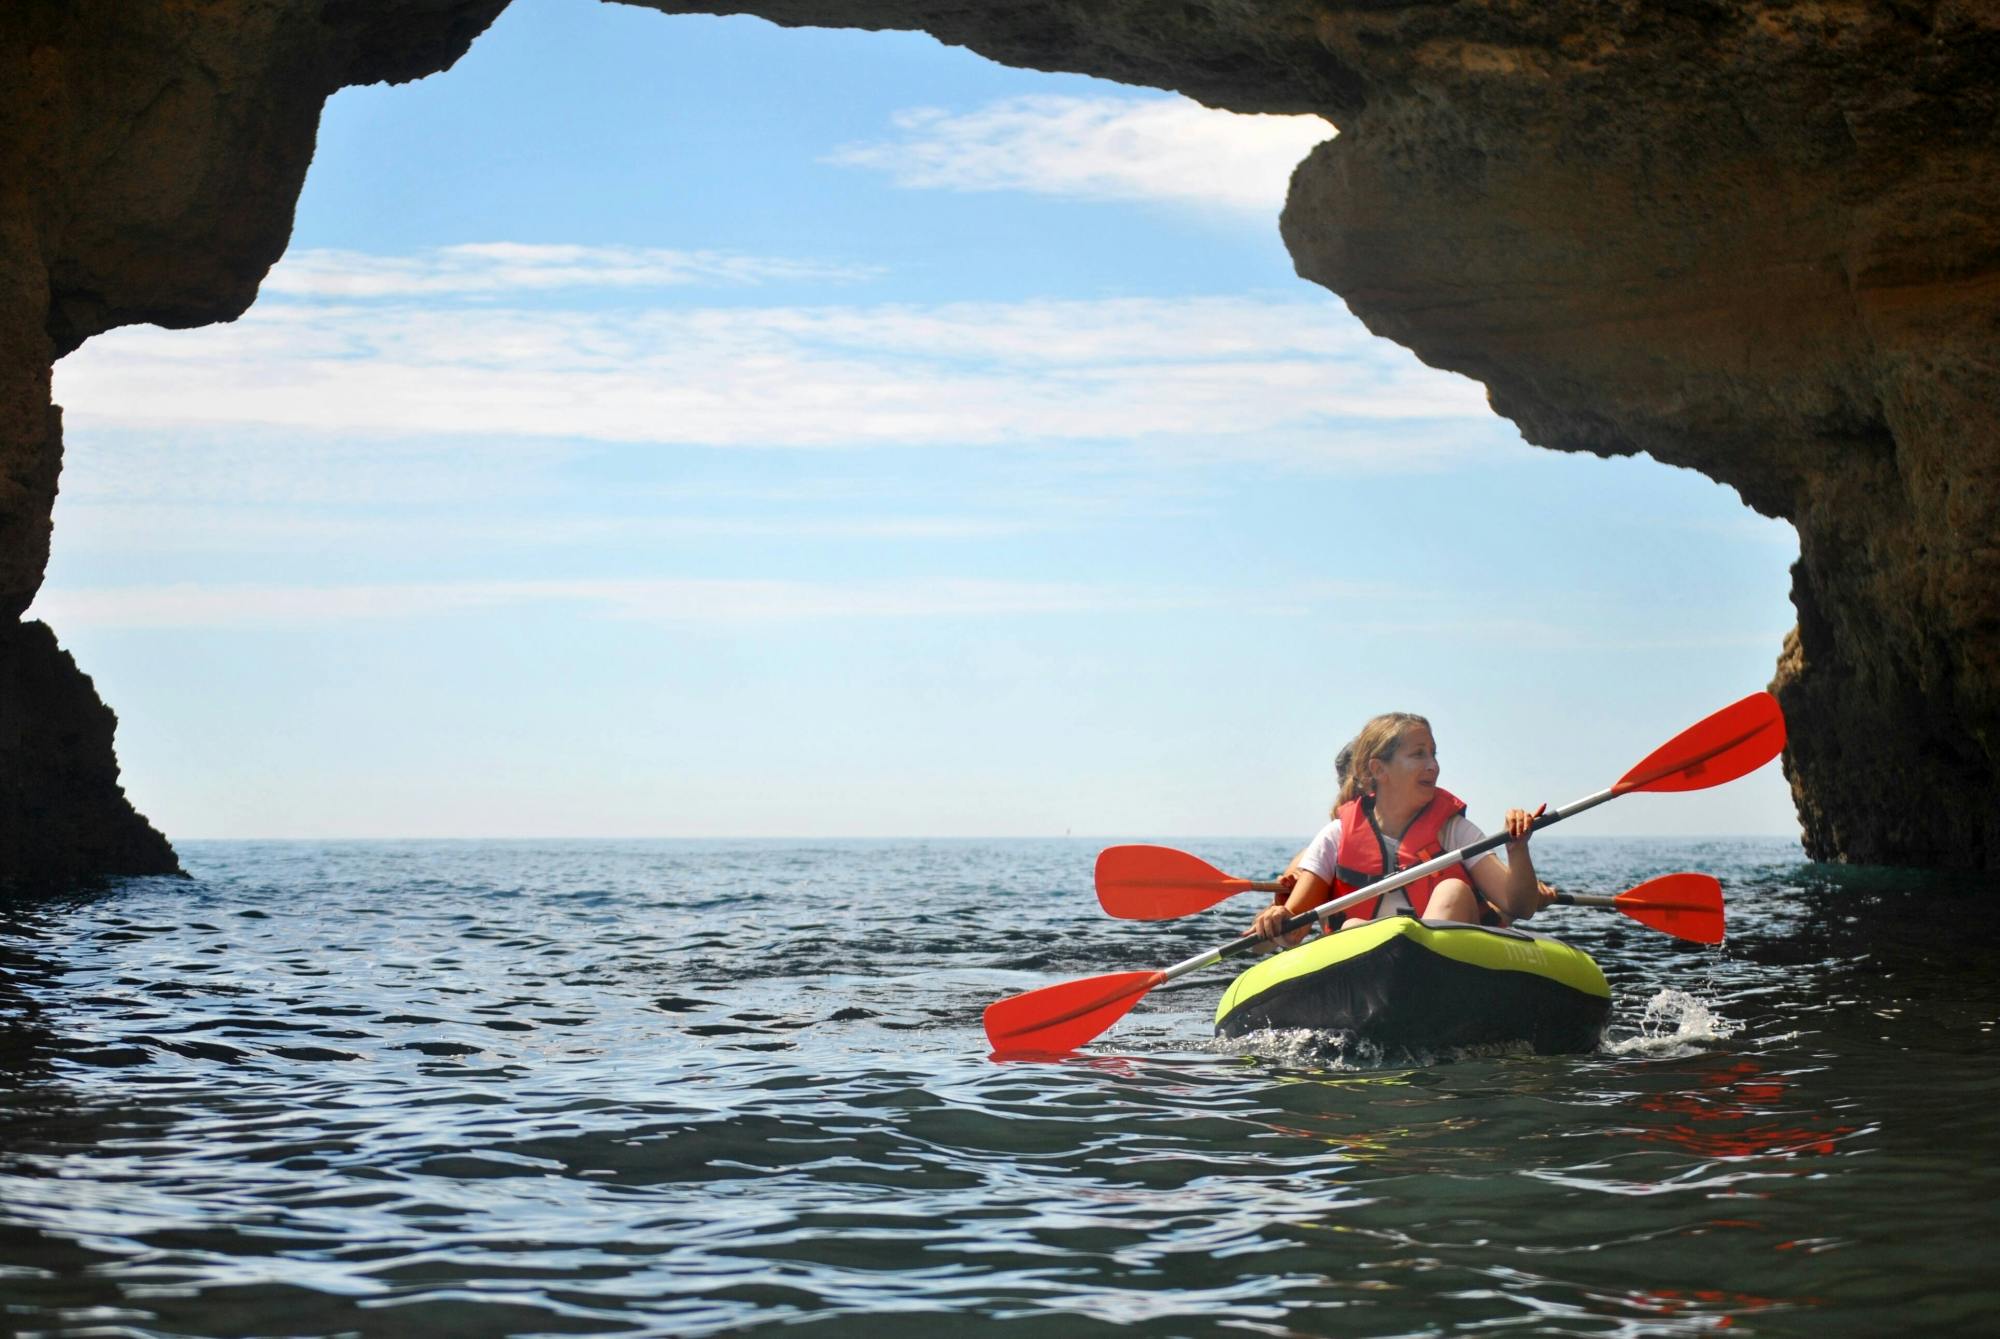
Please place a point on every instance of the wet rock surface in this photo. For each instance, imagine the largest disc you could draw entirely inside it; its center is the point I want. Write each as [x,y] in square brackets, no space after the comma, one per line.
[1759,240]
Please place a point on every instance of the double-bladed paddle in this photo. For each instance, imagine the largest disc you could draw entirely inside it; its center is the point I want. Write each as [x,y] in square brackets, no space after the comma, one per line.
[1734,741]
[1155,883]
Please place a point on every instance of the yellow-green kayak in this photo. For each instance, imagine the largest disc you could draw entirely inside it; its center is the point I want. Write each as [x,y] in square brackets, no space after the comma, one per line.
[1402,983]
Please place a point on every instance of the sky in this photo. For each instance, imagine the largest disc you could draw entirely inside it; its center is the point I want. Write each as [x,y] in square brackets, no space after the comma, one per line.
[688,427]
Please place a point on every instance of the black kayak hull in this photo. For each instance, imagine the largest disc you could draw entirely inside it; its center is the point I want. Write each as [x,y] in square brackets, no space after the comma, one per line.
[1406,984]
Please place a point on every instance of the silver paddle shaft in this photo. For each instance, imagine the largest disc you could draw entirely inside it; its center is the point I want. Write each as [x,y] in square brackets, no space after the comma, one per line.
[1293,924]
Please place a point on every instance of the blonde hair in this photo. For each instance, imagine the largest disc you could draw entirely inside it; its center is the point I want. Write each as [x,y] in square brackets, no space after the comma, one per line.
[1380,738]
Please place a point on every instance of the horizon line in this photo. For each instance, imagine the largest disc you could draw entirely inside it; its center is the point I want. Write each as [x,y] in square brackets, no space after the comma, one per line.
[1113,838]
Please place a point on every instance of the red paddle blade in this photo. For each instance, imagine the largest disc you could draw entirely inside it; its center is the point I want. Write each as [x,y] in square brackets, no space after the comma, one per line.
[1158,883]
[1736,740]
[1061,1018]
[1687,906]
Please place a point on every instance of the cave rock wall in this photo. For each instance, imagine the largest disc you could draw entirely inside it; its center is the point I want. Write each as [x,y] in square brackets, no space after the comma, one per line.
[151,154]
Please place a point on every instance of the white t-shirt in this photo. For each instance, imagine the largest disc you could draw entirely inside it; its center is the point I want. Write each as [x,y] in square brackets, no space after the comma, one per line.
[1320,854]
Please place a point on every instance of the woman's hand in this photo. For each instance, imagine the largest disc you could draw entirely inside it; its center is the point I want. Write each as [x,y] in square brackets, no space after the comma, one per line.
[1520,827]
[1294,885]
[1267,923]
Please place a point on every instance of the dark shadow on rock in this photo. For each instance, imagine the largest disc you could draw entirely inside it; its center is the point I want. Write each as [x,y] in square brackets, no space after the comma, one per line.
[64,818]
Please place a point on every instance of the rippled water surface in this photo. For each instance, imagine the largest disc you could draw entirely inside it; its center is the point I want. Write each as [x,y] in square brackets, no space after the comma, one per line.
[708,1088]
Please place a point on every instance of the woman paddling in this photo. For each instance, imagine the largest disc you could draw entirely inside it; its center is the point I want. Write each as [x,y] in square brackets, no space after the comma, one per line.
[1391,816]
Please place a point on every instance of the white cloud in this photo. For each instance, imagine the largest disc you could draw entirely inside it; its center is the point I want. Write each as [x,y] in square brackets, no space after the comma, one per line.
[1175,370]
[485,269]
[1170,150]
[225,525]
[681,601]
[252,490]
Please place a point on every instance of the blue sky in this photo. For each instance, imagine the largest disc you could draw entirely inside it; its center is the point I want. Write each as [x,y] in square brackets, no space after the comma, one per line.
[691,427]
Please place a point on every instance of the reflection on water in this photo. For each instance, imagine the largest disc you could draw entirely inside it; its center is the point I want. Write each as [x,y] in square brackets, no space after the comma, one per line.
[534,1089]
[1736,1112]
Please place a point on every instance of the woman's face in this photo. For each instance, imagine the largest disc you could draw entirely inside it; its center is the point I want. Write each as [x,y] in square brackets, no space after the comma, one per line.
[1412,775]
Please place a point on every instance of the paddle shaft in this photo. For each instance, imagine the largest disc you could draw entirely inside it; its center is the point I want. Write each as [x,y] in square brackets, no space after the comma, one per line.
[1625,900]
[1293,924]
[1600,900]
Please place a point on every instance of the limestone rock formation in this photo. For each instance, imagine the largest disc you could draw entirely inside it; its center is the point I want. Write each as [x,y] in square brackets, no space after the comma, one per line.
[150,158]
[1756,238]
[63,816]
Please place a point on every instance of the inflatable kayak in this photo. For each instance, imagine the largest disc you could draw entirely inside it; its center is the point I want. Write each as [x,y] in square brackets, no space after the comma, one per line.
[1405,984]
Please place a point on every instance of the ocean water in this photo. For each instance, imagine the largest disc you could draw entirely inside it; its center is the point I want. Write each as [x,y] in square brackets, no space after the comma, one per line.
[686,1088]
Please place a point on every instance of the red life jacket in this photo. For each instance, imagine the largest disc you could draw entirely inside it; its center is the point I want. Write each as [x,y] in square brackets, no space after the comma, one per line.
[1359,861]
